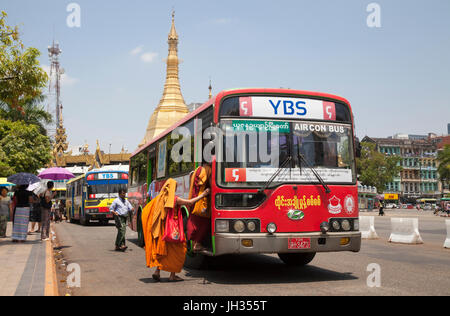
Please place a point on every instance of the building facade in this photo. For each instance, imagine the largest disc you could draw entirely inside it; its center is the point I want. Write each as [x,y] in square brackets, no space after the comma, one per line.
[419,177]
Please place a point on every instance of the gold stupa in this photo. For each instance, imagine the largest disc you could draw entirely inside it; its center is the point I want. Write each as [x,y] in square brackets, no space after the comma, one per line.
[171,107]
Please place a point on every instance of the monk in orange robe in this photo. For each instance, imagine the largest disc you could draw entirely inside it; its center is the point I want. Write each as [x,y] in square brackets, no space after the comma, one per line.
[167,256]
[199,222]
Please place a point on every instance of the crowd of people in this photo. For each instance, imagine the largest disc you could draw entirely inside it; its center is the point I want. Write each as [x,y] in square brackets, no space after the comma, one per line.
[27,210]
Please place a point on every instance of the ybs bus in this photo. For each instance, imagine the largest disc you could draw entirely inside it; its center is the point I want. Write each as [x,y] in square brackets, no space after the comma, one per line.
[283,172]
[90,195]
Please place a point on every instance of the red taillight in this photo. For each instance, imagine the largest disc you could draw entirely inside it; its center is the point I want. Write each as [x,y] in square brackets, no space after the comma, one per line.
[90,177]
[124,176]
[92,196]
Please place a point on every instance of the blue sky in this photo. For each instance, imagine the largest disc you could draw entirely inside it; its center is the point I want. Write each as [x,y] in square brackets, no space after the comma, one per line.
[396,77]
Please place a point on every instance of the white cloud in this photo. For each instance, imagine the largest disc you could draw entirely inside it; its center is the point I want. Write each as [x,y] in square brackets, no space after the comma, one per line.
[148,57]
[66,80]
[137,50]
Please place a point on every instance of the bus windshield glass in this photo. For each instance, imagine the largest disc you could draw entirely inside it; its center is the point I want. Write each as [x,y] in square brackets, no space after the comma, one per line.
[253,151]
[106,188]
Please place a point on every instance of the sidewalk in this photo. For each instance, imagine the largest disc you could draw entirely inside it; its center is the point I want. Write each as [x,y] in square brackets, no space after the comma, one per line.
[26,269]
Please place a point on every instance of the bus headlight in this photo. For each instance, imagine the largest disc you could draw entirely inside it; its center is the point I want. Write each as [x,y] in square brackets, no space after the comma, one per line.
[346,225]
[271,228]
[356,224]
[222,226]
[251,226]
[239,226]
[336,225]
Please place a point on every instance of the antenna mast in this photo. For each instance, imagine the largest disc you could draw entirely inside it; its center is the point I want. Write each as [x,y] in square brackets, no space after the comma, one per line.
[55,81]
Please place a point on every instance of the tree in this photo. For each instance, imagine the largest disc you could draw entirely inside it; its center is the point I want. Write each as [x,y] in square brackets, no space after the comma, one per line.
[21,77]
[32,113]
[375,168]
[22,148]
[443,158]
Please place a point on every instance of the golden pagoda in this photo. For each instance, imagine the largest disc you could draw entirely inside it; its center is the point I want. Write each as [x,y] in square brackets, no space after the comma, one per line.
[60,145]
[171,107]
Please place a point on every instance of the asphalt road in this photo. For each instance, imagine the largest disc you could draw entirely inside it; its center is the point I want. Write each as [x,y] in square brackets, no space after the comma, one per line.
[404,269]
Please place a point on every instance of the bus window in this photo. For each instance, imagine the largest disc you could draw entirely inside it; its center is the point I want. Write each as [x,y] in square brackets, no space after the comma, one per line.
[174,167]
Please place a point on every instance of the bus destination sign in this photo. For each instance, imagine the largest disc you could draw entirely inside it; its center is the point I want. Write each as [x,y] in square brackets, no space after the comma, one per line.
[283,107]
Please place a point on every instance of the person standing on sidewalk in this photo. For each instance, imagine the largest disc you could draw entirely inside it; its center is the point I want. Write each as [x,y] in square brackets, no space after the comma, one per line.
[46,205]
[120,207]
[35,215]
[5,205]
[23,199]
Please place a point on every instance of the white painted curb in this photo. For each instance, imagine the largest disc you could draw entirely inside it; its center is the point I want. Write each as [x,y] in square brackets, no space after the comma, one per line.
[447,241]
[405,230]
[367,227]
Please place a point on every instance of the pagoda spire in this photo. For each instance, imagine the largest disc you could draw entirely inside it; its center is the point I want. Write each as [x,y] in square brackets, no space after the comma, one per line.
[171,107]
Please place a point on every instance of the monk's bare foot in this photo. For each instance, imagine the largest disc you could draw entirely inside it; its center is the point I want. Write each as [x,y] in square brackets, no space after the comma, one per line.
[175,278]
[156,276]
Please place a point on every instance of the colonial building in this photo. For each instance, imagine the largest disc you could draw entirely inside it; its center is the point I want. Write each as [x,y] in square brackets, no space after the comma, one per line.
[419,177]
[171,107]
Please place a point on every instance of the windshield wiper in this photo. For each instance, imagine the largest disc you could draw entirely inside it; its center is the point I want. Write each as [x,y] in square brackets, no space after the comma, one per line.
[327,189]
[272,178]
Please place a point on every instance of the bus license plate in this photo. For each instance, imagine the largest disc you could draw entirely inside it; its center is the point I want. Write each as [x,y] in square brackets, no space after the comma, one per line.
[299,243]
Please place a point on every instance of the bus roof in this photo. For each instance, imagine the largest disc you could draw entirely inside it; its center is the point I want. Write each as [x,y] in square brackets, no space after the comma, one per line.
[104,171]
[76,178]
[229,92]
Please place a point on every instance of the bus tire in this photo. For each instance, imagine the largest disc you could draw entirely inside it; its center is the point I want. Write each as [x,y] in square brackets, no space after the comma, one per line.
[141,239]
[84,221]
[297,259]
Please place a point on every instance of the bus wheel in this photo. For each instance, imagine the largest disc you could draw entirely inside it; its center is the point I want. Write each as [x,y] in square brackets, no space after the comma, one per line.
[297,259]
[141,240]
[84,221]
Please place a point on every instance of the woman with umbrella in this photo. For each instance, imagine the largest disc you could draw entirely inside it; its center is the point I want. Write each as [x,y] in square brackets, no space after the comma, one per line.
[22,200]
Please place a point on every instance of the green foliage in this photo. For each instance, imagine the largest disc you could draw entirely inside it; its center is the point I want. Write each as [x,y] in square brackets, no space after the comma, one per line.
[375,168]
[32,113]
[444,164]
[22,148]
[21,77]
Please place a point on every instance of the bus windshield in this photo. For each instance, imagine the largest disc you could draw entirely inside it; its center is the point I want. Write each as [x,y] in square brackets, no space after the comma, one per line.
[326,147]
[106,188]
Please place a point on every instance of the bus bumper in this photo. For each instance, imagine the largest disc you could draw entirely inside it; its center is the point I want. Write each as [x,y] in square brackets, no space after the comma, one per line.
[100,216]
[227,243]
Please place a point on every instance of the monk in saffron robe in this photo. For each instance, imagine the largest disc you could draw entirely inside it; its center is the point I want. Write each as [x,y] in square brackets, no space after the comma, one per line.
[167,256]
[199,222]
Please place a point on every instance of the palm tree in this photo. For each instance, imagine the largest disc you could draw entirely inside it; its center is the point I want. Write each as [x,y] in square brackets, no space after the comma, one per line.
[32,112]
[444,165]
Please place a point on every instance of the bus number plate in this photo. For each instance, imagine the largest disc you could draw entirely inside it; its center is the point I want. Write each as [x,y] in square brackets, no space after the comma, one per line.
[299,243]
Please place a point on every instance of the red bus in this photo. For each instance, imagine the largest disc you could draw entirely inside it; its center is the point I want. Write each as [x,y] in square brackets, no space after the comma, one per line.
[301,201]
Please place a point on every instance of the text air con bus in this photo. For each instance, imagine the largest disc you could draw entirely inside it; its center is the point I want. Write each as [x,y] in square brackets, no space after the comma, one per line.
[296,204]
[90,195]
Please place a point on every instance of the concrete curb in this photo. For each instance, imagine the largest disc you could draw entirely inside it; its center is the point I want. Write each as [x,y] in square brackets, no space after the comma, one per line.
[51,284]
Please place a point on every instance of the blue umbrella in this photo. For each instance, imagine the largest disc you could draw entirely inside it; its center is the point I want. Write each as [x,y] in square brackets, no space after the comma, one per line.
[23,178]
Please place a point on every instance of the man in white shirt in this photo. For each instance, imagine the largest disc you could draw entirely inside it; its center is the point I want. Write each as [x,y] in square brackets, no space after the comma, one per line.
[120,208]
